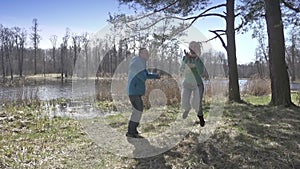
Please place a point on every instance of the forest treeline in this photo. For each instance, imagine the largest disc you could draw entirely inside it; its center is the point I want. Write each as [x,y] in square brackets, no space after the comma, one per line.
[275,24]
[21,56]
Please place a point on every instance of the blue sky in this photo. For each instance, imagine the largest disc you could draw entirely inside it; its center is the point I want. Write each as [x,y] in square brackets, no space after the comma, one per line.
[54,16]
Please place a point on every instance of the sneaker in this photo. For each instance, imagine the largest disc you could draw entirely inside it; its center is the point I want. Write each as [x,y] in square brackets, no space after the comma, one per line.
[134,135]
[202,122]
[185,114]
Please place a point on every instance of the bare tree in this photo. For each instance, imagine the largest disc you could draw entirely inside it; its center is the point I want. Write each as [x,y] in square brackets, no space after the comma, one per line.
[23,37]
[85,42]
[53,40]
[261,51]
[64,52]
[19,41]
[8,48]
[16,35]
[2,38]
[76,46]
[35,37]
[292,52]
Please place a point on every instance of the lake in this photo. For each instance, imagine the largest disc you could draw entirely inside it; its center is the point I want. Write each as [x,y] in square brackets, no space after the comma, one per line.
[80,95]
[53,89]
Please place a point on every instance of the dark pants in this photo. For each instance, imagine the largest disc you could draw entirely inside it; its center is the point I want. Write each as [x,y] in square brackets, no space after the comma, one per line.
[136,115]
[201,92]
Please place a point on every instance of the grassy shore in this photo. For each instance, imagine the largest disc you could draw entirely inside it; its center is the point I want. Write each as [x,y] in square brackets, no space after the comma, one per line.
[249,136]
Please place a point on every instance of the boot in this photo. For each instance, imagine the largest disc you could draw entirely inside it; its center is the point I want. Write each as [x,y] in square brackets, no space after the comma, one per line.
[185,114]
[132,130]
[202,122]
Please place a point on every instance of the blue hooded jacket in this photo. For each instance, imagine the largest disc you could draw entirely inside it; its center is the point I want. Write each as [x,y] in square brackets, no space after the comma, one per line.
[137,76]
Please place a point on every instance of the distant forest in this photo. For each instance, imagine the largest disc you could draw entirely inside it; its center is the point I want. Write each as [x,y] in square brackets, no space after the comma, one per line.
[104,55]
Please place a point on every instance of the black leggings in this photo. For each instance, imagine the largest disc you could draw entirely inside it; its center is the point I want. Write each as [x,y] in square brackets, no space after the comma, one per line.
[137,108]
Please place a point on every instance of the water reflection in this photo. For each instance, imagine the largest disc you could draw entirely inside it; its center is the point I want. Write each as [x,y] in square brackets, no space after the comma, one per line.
[73,109]
[48,90]
[80,95]
[42,90]
[71,89]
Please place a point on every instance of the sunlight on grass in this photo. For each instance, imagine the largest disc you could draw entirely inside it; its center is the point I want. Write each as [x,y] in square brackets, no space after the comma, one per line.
[257,100]
[296,98]
[265,100]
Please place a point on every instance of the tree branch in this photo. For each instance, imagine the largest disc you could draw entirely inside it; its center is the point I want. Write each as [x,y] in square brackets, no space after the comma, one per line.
[166,7]
[209,9]
[175,17]
[290,6]
[220,38]
[194,18]
[152,13]
[191,19]
[215,37]
[240,26]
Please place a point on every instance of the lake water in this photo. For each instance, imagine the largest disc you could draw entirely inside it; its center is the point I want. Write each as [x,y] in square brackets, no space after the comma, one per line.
[48,90]
[51,89]
[78,95]
[74,91]
[295,86]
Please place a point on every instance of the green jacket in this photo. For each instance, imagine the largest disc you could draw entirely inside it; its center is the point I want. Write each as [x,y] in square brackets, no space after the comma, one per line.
[192,69]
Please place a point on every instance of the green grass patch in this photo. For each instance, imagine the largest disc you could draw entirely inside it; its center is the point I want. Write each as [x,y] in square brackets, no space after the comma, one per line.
[257,100]
[265,99]
[296,97]
[32,140]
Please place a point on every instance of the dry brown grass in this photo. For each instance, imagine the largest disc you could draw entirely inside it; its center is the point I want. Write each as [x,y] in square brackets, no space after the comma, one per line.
[257,87]
[169,88]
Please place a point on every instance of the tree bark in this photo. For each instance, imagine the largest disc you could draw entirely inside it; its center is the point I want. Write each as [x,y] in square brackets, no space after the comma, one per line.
[280,84]
[54,61]
[62,50]
[3,62]
[293,53]
[35,51]
[234,90]
[21,59]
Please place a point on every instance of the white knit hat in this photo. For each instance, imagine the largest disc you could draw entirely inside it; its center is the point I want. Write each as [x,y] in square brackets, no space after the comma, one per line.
[196,47]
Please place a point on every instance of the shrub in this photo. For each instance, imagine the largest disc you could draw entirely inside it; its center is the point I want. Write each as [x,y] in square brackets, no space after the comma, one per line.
[257,86]
[169,88]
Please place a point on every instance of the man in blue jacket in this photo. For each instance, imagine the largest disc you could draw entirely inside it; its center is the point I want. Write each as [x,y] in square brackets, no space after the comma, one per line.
[136,87]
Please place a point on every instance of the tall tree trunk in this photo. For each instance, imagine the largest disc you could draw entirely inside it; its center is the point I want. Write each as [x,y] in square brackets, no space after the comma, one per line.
[293,53]
[280,84]
[8,57]
[75,55]
[21,60]
[35,51]
[62,62]
[53,56]
[234,90]
[3,62]
[87,63]
[66,61]
[44,63]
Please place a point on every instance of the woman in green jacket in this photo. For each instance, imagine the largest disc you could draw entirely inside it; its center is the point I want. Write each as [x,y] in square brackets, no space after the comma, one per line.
[192,69]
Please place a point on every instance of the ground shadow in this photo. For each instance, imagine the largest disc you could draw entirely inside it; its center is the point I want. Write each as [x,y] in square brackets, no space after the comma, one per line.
[248,137]
[142,153]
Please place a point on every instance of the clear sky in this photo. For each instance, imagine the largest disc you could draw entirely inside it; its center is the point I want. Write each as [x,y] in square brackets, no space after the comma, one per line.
[54,16]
